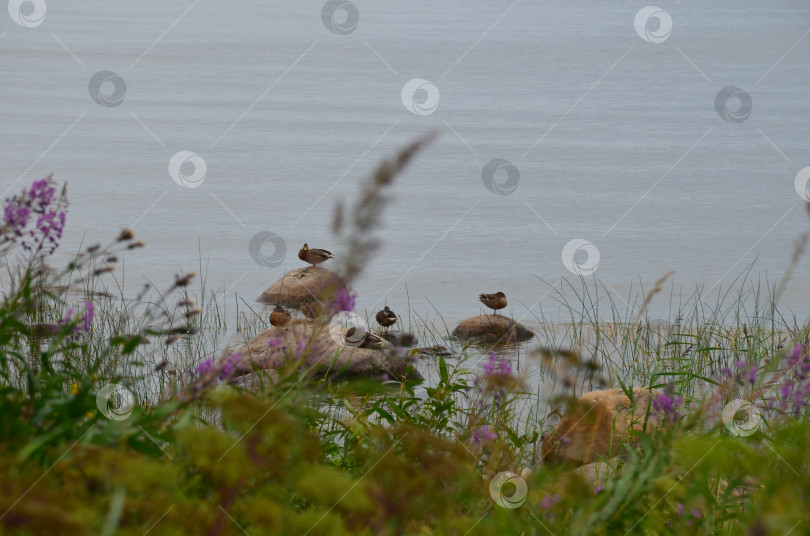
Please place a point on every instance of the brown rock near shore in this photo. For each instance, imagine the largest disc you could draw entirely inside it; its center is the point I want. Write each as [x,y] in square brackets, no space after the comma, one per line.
[324,355]
[302,285]
[595,427]
[492,329]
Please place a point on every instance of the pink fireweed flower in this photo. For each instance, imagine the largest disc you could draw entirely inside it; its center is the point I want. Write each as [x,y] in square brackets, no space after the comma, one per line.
[87,318]
[229,366]
[39,200]
[204,367]
[344,300]
[667,406]
[277,342]
[484,435]
[497,367]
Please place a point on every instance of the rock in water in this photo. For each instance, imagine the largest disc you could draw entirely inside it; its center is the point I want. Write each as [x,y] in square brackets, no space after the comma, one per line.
[492,329]
[302,285]
[326,354]
[596,425]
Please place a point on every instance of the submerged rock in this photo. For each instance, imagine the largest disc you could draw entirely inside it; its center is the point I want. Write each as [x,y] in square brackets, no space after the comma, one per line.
[596,425]
[302,286]
[432,351]
[327,353]
[400,338]
[492,329]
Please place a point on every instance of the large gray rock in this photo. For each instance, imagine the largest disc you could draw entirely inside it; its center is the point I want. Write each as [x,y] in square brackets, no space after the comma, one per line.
[596,425]
[492,329]
[324,355]
[302,285]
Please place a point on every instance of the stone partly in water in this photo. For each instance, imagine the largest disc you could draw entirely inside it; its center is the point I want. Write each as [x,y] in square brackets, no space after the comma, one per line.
[400,338]
[596,426]
[432,351]
[492,329]
[326,353]
[301,286]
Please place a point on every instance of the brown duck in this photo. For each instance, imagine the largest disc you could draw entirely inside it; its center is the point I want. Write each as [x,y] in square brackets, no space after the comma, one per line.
[386,318]
[279,317]
[494,301]
[314,256]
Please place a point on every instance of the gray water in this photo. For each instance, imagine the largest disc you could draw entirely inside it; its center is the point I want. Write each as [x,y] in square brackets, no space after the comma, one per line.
[617,140]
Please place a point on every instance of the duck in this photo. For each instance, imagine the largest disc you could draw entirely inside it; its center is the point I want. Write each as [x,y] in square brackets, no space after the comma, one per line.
[494,301]
[386,318]
[279,317]
[357,338]
[314,256]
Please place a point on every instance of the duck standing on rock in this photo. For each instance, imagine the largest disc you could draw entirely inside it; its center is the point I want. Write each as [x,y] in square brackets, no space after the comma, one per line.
[386,318]
[314,256]
[279,317]
[494,301]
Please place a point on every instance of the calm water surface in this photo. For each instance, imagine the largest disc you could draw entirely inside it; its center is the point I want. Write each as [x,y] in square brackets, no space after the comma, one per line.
[616,140]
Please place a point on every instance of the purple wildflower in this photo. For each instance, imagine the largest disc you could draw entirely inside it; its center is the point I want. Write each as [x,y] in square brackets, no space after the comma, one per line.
[797,350]
[87,318]
[38,200]
[497,367]
[204,367]
[667,407]
[276,342]
[752,375]
[344,300]
[299,351]
[680,509]
[549,500]
[484,435]
[229,366]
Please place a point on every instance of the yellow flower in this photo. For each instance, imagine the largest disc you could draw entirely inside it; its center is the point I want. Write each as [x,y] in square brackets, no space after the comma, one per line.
[74,389]
[90,414]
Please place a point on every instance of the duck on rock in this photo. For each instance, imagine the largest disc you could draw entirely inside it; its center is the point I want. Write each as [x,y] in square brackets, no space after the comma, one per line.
[314,256]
